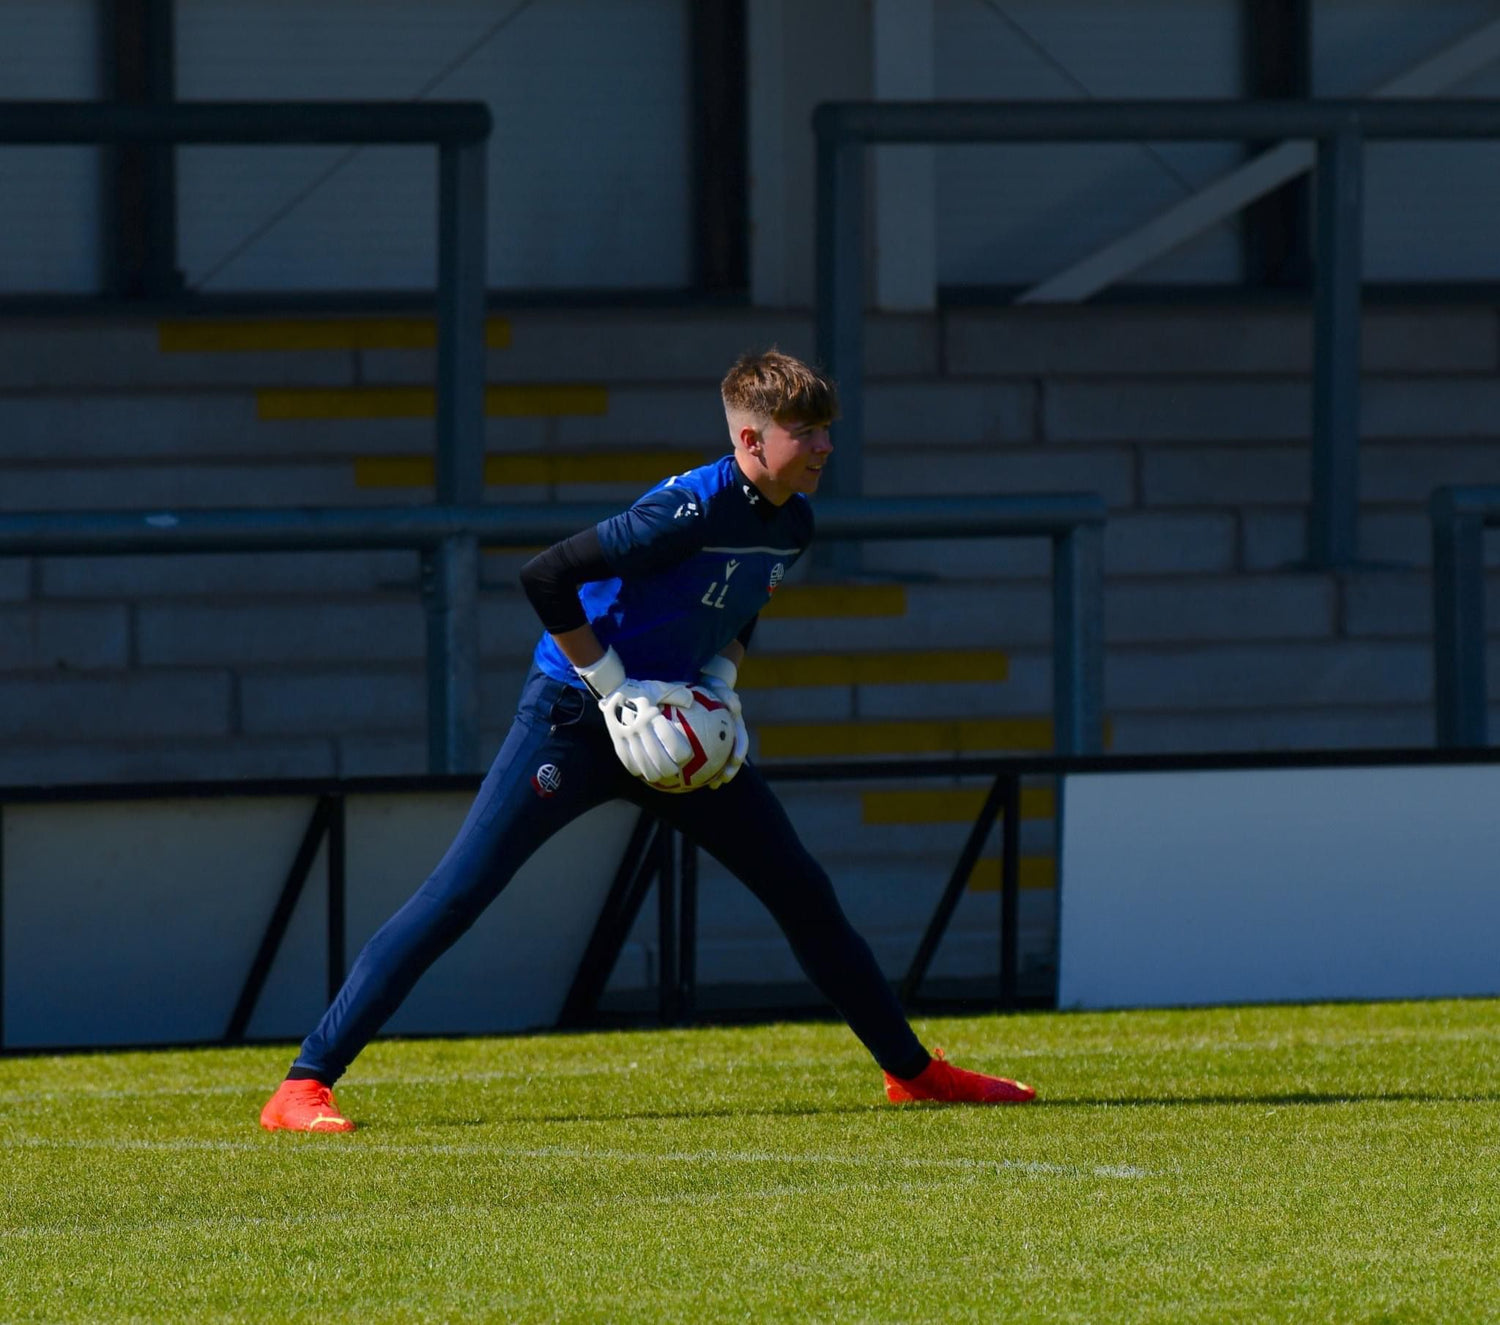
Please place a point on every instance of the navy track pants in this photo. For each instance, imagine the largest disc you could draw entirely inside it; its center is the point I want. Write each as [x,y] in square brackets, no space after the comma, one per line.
[742,825]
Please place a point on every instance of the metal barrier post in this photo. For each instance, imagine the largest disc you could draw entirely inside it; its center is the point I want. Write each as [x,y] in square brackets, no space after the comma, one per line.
[1340,128]
[450,573]
[1010,892]
[841,311]
[1332,520]
[338,911]
[669,970]
[687,947]
[1458,622]
[460,324]
[1078,640]
[450,594]
[2,928]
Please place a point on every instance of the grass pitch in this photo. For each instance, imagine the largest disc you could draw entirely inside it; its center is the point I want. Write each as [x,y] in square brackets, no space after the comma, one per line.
[1337,1163]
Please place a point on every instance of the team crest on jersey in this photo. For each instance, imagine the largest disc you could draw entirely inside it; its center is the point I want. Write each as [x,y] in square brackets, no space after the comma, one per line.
[546,780]
[778,573]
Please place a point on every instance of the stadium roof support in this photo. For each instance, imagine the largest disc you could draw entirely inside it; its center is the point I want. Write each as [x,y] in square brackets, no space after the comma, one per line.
[1256,178]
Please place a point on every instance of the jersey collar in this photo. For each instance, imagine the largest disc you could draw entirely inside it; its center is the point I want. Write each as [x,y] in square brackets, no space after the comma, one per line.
[755,499]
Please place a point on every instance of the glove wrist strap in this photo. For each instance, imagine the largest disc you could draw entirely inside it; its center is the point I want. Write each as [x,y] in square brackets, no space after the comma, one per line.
[721,669]
[605,676]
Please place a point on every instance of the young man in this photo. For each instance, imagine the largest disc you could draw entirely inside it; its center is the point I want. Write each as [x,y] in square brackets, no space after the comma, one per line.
[663,594]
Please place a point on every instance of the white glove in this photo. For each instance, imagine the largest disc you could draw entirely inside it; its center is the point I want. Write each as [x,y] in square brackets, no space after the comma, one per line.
[649,746]
[718,677]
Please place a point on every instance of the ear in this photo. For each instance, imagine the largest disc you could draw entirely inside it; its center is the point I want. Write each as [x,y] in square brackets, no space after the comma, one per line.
[749,438]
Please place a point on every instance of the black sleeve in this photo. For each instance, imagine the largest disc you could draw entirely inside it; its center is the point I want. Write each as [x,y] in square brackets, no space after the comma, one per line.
[747,630]
[551,580]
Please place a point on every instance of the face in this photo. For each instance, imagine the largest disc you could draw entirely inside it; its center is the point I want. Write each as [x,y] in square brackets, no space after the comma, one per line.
[785,458]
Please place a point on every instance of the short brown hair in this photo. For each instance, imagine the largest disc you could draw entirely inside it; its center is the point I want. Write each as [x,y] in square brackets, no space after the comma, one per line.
[772,385]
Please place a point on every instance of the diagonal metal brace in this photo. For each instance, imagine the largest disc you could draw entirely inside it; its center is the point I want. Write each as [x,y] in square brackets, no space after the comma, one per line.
[957,882]
[281,917]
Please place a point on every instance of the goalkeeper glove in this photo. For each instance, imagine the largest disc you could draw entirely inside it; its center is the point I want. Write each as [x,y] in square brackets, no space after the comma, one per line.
[649,746]
[718,677]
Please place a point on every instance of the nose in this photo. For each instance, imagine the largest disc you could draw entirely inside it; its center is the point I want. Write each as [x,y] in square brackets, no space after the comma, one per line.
[822,443]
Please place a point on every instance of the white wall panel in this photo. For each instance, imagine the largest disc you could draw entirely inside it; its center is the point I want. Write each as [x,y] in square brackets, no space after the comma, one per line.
[1017,214]
[49,196]
[514,968]
[1430,208]
[1279,885]
[136,922]
[133,923]
[589,181]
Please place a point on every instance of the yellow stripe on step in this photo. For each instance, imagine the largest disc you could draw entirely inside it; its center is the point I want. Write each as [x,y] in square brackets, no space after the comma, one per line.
[831,740]
[764,671]
[416,402]
[1034,872]
[420,471]
[946,807]
[837,600]
[197,336]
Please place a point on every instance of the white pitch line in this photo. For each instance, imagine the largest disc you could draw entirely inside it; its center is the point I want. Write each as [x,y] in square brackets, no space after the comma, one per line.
[361,1082]
[470,1213]
[616,1156]
[261,1087]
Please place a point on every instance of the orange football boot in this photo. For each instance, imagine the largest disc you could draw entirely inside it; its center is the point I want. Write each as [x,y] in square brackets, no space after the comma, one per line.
[943,1082]
[303,1106]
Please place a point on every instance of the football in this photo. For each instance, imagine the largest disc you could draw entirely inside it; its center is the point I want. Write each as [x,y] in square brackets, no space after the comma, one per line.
[709,728]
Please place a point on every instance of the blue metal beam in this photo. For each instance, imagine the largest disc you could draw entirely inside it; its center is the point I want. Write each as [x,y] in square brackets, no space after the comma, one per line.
[1459,518]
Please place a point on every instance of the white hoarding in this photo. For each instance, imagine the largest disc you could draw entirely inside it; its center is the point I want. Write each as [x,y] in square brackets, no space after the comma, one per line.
[1182,888]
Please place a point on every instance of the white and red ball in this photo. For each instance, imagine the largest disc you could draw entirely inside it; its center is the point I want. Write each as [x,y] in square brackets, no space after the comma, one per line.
[709,728]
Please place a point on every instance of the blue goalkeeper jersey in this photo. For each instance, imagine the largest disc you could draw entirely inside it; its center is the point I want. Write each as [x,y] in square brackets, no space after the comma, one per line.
[694,560]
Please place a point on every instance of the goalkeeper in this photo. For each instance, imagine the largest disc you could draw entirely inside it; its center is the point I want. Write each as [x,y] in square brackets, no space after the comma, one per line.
[663,595]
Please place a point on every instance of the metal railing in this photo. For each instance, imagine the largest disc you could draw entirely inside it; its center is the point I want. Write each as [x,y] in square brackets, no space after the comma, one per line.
[1074,523]
[845,129]
[1459,518]
[659,857]
[448,533]
[460,132]
[653,859]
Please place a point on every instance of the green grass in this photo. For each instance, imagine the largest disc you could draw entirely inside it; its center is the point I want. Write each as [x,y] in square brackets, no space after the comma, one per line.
[1336,1163]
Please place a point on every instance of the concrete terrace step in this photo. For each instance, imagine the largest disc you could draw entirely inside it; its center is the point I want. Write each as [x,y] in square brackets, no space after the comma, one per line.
[801,602]
[44,761]
[1076,342]
[767,671]
[1191,422]
[889,899]
[641,467]
[949,805]
[513,401]
[296,334]
[367,672]
[200,723]
[837,740]
[624,345]
[1221,641]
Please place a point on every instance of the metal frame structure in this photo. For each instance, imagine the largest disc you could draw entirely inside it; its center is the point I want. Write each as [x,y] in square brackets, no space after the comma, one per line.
[1339,128]
[460,132]
[1459,517]
[677,881]
[449,538]
[653,859]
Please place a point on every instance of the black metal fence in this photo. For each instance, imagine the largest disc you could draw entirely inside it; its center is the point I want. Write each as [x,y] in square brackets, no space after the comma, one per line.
[460,132]
[1340,130]
[1459,518]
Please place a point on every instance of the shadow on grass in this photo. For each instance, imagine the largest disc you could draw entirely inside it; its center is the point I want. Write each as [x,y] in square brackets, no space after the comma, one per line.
[1292,1099]
[1289,1098]
[668,1115]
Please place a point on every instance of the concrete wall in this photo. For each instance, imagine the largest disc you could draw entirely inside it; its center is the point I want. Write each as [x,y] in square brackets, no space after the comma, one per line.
[1193,424]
